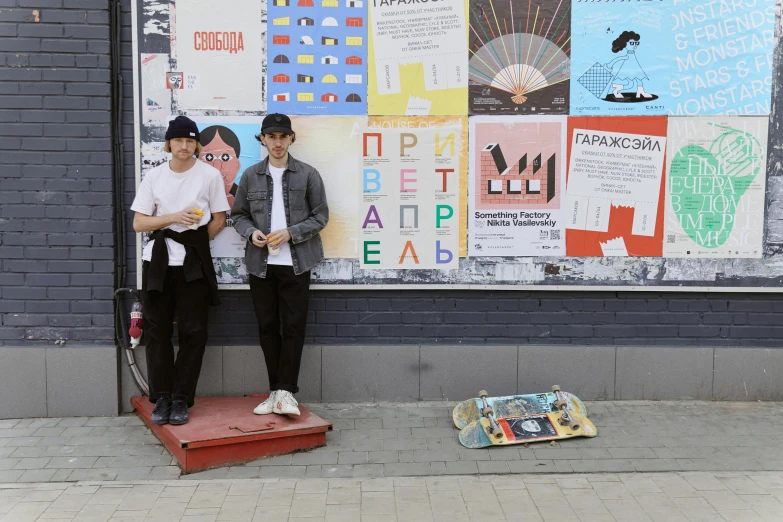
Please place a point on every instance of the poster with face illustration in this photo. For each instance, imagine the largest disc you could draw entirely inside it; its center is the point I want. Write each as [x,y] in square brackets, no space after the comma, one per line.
[229,145]
[621,57]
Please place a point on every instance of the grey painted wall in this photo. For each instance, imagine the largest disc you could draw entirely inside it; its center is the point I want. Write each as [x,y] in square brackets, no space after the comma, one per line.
[367,373]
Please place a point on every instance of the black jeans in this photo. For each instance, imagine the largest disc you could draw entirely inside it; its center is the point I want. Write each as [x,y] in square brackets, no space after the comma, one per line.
[190,302]
[280,301]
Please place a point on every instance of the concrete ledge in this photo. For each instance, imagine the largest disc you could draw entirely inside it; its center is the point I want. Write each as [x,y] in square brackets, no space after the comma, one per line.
[452,373]
[82,381]
[586,371]
[65,381]
[660,373]
[22,382]
[42,381]
[370,373]
[748,374]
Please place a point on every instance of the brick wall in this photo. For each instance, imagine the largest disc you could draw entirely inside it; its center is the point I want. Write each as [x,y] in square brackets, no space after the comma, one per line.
[56,241]
[55,172]
[484,317]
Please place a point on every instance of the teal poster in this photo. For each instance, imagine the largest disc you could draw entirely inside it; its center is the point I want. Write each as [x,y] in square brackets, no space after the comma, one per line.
[229,144]
[675,57]
[621,57]
[722,61]
[230,147]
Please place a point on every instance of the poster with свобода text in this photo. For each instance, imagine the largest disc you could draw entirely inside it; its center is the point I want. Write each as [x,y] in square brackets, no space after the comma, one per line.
[221,54]
[716,187]
[409,207]
[417,61]
[517,178]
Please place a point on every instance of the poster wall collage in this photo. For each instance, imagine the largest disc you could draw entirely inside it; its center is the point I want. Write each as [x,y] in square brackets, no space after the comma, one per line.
[452,129]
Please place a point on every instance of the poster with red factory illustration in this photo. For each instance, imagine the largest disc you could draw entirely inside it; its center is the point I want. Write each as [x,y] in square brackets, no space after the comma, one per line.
[615,186]
[517,178]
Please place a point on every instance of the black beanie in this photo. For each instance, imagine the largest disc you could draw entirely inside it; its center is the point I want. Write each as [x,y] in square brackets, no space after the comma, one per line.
[182,127]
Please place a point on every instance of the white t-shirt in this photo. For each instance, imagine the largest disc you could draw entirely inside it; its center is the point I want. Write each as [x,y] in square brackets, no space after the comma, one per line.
[278,217]
[163,191]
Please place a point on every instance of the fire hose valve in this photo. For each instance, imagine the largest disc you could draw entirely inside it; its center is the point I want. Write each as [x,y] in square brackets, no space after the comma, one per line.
[136,326]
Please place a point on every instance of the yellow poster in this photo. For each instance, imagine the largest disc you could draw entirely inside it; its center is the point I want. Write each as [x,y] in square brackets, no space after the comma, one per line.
[417,61]
[458,122]
[331,144]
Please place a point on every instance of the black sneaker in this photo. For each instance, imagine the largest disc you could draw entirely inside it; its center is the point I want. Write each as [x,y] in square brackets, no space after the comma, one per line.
[179,413]
[162,411]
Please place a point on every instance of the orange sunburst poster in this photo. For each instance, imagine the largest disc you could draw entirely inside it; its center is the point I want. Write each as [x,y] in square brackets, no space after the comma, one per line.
[615,185]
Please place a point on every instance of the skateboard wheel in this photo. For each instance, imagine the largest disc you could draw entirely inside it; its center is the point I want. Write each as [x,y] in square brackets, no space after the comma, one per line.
[555,388]
[483,393]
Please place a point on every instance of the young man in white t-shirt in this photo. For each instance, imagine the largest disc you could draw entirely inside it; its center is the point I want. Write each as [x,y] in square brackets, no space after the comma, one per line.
[183,204]
[280,208]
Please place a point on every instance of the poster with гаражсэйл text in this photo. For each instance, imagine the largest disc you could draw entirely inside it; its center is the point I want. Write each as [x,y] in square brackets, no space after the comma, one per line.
[417,60]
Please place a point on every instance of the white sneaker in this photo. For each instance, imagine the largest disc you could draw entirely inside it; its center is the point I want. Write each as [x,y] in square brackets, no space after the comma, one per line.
[266,407]
[285,404]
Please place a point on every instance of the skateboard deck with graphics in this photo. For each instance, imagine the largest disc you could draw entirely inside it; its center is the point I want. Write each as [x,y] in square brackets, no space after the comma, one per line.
[516,405]
[536,427]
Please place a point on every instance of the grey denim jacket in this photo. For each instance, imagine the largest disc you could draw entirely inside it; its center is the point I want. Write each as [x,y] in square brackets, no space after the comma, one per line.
[306,212]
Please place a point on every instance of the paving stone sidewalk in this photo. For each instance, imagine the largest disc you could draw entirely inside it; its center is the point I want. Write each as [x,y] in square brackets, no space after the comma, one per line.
[415,439]
[600,497]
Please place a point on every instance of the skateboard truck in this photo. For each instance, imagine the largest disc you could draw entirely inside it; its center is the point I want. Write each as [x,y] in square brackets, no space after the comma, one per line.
[567,420]
[494,428]
[560,404]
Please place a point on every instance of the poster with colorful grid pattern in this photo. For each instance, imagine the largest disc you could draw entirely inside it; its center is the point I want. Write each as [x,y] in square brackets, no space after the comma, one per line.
[317,57]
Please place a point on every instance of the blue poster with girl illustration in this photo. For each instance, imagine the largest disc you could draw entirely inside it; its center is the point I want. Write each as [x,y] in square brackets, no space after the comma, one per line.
[621,57]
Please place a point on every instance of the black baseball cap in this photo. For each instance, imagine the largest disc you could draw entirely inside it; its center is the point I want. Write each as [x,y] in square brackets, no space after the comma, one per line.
[276,123]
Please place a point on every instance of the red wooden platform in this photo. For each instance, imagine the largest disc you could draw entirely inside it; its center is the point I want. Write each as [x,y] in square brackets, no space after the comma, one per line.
[223,431]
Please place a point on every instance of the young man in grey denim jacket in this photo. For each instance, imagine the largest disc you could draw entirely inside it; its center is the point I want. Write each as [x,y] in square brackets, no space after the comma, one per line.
[280,208]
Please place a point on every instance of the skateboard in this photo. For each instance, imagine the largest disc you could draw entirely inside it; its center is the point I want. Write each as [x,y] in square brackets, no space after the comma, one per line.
[516,405]
[536,427]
